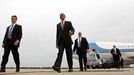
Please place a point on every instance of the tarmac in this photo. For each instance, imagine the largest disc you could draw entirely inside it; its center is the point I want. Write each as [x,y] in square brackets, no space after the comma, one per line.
[126,71]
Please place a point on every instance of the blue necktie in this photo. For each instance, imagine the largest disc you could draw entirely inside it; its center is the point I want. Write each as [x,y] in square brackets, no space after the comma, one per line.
[10,32]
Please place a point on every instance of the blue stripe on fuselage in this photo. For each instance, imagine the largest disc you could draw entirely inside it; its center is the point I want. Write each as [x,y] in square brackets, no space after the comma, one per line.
[102,50]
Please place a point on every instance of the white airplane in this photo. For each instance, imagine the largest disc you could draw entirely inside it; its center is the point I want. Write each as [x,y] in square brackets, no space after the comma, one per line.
[104,50]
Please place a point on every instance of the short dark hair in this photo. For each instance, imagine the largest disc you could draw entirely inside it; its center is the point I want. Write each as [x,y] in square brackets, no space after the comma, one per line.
[62,14]
[14,16]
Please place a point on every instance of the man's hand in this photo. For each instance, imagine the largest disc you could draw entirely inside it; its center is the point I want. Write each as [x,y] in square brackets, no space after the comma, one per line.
[16,42]
[3,45]
[57,46]
[74,52]
[114,53]
[87,50]
[70,34]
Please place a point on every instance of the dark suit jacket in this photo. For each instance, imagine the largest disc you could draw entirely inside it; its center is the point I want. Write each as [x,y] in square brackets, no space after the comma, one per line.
[117,51]
[64,34]
[84,45]
[16,35]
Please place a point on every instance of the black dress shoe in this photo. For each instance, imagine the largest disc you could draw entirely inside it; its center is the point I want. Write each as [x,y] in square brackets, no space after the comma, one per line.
[17,70]
[70,70]
[56,69]
[2,70]
[81,70]
[85,68]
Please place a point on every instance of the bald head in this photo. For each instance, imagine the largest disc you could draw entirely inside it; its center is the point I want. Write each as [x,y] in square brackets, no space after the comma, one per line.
[114,46]
[62,16]
[79,34]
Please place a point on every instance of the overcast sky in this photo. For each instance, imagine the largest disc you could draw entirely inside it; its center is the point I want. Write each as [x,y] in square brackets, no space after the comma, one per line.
[98,20]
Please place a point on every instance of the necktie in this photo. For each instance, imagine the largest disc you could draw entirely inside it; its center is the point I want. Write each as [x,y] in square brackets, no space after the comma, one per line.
[115,50]
[62,25]
[10,32]
[79,42]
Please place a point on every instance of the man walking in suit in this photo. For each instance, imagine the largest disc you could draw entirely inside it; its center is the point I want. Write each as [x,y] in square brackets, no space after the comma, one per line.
[63,41]
[81,47]
[11,43]
[116,56]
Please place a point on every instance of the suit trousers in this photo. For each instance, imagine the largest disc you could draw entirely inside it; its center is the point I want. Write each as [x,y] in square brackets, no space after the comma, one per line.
[9,47]
[116,59]
[68,48]
[82,58]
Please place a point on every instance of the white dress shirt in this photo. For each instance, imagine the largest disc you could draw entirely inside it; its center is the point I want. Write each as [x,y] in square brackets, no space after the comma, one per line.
[62,24]
[10,30]
[79,41]
[115,51]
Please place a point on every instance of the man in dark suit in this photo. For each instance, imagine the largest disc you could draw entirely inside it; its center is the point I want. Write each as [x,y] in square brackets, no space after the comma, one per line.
[63,41]
[11,43]
[116,56]
[81,47]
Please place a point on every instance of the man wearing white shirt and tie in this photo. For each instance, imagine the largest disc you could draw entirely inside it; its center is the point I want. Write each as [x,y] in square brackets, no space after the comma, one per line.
[81,47]
[64,41]
[11,43]
[116,56]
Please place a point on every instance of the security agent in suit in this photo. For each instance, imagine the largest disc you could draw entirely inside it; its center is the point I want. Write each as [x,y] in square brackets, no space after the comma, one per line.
[11,43]
[116,56]
[63,41]
[81,47]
